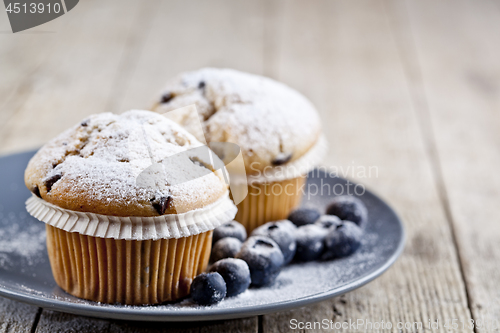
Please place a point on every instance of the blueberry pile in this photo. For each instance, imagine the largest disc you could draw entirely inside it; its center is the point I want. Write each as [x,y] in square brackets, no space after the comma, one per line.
[307,235]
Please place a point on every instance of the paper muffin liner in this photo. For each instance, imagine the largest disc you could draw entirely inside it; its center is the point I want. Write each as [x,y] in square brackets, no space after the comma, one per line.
[294,169]
[132,272]
[134,228]
[270,201]
[263,203]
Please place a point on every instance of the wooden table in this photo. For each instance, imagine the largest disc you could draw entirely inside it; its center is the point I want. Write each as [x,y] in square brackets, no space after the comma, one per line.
[411,87]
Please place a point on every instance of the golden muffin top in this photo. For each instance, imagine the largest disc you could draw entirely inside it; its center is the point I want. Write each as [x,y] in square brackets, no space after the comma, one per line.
[271,123]
[123,165]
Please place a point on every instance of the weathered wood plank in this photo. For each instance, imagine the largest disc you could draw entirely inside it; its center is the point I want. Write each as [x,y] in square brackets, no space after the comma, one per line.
[21,54]
[57,322]
[239,325]
[458,50]
[77,76]
[343,55]
[16,317]
[190,35]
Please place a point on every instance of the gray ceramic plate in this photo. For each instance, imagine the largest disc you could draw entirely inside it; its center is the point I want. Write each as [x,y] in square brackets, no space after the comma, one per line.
[25,273]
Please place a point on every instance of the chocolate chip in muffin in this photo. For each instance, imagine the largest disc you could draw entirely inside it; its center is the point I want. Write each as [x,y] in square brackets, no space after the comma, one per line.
[282,158]
[71,153]
[201,163]
[166,97]
[36,191]
[201,85]
[51,181]
[161,205]
[85,123]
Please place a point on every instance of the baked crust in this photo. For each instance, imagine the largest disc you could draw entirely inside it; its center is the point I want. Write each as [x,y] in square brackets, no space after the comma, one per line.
[94,167]
[271,123]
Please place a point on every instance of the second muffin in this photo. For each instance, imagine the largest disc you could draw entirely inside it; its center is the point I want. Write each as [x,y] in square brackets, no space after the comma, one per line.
[277,129]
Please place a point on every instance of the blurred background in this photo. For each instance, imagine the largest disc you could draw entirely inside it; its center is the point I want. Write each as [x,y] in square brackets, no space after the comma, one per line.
[411,87]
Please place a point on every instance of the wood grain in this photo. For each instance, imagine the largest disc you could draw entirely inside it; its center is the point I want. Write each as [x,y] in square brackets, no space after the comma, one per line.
[19,63]
[347,61]
[409,87]
[123,64]
[77,76]
[185,37]
[17,317]
[57,322]
[460,73]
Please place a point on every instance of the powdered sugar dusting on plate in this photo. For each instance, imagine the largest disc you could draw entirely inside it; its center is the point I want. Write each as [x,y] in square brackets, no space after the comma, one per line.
[296,284]
[20,244]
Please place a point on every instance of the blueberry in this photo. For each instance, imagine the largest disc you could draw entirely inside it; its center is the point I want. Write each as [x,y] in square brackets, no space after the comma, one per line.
[230,229]
[342,240]
[236,274]
[208,288]
[264,259]
[226,247]
[283,233]
[310,240]
[288,224]
[328,221]
[348,208]
[303,216]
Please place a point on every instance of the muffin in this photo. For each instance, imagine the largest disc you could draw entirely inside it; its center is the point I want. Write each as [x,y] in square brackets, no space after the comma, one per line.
[277,129]
[129,204]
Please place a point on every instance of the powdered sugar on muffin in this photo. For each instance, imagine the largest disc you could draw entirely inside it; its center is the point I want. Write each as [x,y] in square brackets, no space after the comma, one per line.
[272,123]
[97,166]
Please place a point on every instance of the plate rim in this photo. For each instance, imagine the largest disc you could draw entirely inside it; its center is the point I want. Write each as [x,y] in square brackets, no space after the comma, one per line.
[210,313]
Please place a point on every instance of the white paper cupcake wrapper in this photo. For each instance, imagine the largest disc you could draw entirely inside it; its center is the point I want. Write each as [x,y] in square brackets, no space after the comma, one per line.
[134,228]
[297,168]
